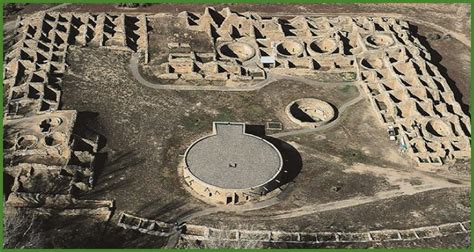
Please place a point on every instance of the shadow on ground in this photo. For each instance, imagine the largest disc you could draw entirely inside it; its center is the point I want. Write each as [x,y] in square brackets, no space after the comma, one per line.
[292,161]
[436,60]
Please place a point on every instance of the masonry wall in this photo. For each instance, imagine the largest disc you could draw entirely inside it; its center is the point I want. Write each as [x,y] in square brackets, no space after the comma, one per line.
[218,195]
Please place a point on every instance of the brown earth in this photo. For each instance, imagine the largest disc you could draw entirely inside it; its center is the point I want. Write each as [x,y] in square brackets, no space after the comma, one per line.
[147,130]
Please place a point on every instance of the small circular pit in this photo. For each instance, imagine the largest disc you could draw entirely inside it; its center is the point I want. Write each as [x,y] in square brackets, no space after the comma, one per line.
[438,128]
[290,48]
[237,50]
[310,112]
[379,40]
[322,46]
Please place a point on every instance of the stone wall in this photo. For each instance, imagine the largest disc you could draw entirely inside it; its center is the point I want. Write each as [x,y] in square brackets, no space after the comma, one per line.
[405,88]
[195,232]
[199,232]
[47,163]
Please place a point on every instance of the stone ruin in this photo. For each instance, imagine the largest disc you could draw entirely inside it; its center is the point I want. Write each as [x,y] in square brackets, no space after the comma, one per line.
[47,144]
[204,233]
[408,92]
[48,158]
[310,112]
[248,47]
[48,161]
[405,89]
[192,232]
[36,62]
[146,226]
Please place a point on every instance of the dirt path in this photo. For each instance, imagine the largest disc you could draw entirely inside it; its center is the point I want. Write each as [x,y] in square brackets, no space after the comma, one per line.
[134,62]
[427,181]
[318,208]
[231,209]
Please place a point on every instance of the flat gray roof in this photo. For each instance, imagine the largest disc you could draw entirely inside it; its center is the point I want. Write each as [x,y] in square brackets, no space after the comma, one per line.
[233,159]
[267,59]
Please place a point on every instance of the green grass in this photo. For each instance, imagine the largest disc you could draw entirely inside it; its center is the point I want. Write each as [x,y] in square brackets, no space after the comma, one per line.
[351,156]
[256,111]
[196,122]
[225,115]
[347,88]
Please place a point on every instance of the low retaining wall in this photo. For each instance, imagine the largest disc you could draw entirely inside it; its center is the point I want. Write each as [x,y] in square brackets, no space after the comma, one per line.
[194,232]
[152,227]
[198,232]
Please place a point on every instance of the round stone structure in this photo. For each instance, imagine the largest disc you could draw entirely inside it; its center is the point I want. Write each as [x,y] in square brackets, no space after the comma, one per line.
[289,48]
[379,40]
[237,50]
[231,166]
[310,112]
[322,46]
[438,128]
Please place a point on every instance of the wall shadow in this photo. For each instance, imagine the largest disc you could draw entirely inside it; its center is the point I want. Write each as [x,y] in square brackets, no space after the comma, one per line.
[436,60]
[82,128]
[292,161]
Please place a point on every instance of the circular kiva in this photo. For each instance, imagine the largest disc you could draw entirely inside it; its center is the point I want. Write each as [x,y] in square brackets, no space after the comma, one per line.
[322,46]
[231,166]
[54,139]
[438,128]
[310,112]
[289,48]
[25,142]
[50,123]
[237,50]
[55,121]
[379,40]
[372,62]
